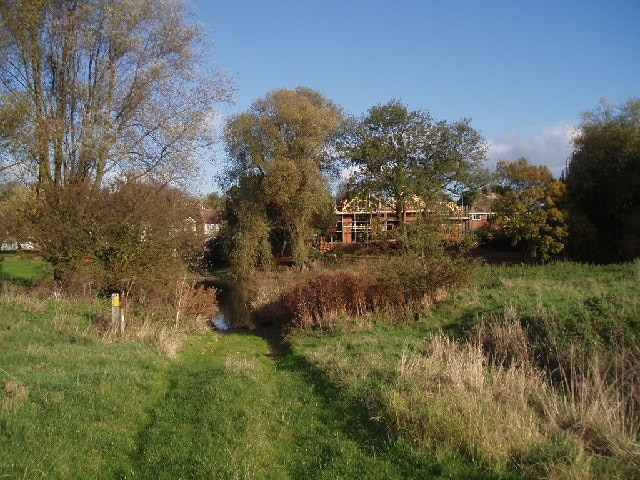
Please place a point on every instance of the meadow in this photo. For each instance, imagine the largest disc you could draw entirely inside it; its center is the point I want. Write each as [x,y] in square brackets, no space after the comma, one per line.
[528,372]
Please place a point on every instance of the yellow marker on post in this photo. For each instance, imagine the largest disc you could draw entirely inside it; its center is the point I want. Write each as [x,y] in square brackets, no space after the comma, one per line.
[116,314]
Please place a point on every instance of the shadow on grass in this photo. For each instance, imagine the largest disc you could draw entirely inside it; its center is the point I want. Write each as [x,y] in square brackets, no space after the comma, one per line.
[282,419]
[356,419]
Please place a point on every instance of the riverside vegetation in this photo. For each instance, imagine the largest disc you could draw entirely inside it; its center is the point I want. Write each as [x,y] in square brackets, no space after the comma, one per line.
[523,372]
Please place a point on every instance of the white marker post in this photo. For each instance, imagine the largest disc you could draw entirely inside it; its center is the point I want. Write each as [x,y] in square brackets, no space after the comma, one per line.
[122,319]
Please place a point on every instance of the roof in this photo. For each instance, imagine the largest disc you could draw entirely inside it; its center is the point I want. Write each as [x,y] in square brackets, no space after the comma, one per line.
[212,216]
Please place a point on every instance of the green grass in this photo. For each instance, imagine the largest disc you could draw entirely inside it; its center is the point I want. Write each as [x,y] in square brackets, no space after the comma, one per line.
[77,405]
[241,414]
[579,296]
[372,402]
[572,390]
[23,268]
[69,399]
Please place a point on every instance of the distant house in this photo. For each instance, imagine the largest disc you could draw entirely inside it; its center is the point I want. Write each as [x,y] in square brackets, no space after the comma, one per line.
[362,221]
[11,245]
[477,215]
[211,221]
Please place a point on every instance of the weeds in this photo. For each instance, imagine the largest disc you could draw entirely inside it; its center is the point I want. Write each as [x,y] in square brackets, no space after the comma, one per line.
[450,395]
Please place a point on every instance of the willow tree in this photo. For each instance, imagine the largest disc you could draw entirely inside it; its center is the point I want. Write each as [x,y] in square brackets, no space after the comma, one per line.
[90,89]
[278,165]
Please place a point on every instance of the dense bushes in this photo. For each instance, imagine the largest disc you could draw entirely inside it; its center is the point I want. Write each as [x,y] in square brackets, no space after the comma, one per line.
[395,282]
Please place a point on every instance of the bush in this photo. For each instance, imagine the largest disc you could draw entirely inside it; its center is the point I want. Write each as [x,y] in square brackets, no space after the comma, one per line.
[319,301]
[401,281]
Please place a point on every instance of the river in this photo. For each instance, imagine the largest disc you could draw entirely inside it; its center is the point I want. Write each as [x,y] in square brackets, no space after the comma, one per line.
[234,312]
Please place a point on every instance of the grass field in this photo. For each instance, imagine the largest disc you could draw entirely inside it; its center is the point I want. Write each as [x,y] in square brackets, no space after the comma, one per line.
[77,405]
[368,400]
[22,268]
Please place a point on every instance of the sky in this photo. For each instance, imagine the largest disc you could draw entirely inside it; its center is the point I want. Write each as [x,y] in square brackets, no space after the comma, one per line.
[522,71]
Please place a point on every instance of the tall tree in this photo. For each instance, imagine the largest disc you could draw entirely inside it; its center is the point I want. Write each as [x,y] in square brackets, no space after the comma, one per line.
[94,88]
[603,180]
[530,209]
[401,154]
[278,164]
[92,91]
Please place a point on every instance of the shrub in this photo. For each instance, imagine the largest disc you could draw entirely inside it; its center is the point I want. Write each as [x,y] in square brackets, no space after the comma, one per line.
[321,300]
[396,282]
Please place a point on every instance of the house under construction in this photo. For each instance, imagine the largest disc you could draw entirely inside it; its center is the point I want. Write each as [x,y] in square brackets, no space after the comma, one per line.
[362,221]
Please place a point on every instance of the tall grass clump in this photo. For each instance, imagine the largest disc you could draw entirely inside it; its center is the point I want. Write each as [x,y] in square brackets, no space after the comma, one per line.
[485,397]
[448,396]
[90,318]
[597,402]
[590,393]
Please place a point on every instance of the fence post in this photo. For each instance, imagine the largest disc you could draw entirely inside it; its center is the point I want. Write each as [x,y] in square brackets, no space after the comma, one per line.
[122,321]
[115,309]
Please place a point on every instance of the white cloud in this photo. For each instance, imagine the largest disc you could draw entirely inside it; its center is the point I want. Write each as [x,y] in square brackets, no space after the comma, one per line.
[551,146]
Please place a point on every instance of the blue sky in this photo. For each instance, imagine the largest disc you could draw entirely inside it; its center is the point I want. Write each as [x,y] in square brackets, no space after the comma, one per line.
[522,71]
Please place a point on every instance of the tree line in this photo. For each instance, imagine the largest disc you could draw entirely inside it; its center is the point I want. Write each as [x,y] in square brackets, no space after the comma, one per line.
[398,155]
[105,111]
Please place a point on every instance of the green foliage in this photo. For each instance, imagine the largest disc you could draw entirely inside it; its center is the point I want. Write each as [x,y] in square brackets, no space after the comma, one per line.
[213,200]
[134,238]
[425,265]
[248,230]
[530,209]
[16,202]
[401,154]
[603,179]
[278,158]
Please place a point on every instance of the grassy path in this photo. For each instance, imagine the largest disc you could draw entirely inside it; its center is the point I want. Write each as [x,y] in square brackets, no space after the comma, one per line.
[76,405]
[232,410]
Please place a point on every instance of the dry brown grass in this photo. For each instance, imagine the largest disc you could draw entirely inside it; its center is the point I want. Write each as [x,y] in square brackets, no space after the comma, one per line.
[598,403]
[238,363]
[448,393]
[14,395]
[486,397]
[167,342]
